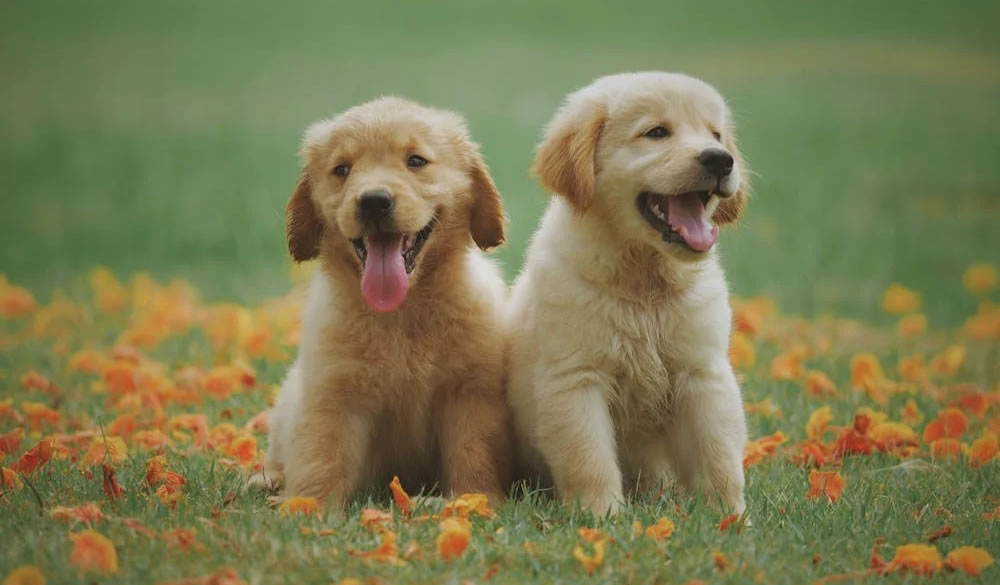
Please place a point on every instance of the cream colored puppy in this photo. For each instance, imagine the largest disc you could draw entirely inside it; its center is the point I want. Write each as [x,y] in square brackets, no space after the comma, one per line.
[400,366]
[619,324]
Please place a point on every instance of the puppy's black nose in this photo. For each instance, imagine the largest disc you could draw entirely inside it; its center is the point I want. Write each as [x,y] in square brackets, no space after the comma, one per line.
[374,206]
[716,161]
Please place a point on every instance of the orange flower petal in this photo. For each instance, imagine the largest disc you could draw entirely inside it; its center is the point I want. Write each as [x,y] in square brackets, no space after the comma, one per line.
[818,422]
[9,479]
[11,441]
[92,551]
[950,424]
[918,558]
[865,369]
[970,559]
[946,449]
[112,488]
[899,299]
[826,483]
[244,449]
[911,325]
[25,575]
[663,528]
[787,366]
[721,562]
[402,499]
[105,450]
[728,521]
[34,458]
[819,384]
[889,435]
[761,448]
[949,361]
[453,540]
[741,351]
[373,519]
[386,552]
[88,513]
[984,449]
[467,504]
[592,561]
[591,535]
[299,505]
[185,539]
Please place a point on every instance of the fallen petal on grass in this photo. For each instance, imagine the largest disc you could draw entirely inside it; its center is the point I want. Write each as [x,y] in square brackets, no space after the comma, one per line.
[970,559]
[92,551]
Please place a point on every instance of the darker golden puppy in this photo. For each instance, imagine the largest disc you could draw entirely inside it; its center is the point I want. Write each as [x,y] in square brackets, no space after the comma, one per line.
[400,366]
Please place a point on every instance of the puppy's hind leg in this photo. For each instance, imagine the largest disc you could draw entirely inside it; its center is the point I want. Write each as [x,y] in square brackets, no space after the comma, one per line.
[280,420]
[475,445]
[576,435]
[329,447]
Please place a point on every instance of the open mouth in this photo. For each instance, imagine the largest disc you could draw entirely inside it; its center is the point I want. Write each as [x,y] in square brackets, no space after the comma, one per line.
[680,218]
[387,259]
[409,245]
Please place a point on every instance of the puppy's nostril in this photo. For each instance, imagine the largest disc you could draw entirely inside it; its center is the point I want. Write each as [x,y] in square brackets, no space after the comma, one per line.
[375,205]
[716,161]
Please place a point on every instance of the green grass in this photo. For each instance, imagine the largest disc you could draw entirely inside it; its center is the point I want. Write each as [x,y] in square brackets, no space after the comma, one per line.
[162,138]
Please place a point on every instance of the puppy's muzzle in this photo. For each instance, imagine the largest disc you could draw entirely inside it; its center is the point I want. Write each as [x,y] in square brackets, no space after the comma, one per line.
[716,162]
[375,209]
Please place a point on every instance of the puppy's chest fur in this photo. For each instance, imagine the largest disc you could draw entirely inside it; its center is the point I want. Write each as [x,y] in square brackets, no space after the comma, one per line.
[400,369]
[651,352]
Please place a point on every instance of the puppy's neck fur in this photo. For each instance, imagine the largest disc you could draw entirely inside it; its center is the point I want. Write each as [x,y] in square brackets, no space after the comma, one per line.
[633,269]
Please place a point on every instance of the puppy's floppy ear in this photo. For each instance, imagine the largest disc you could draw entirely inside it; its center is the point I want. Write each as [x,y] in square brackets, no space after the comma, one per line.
[564,162]
[303,226]
[487,220]
[730,209]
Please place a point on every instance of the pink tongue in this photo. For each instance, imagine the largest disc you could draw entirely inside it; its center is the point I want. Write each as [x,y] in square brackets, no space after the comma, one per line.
[687,216]
[384,281]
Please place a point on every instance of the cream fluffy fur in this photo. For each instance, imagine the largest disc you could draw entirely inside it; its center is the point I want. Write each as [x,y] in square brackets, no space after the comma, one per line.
[418,391]
[618,369]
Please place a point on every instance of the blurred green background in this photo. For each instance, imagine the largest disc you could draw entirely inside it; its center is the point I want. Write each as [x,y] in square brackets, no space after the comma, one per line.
[163,136]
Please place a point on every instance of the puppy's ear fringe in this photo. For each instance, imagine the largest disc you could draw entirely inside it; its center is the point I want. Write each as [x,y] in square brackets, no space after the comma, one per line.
[487,221]
[565,159]
[303,227]
[729,210]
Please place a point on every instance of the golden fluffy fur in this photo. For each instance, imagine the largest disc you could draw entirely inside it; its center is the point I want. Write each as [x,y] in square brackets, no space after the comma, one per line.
[416,391]
[618,374]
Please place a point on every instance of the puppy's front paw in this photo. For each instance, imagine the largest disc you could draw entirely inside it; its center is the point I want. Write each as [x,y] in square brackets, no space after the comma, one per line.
[266,481]
[727,489]
[603,504]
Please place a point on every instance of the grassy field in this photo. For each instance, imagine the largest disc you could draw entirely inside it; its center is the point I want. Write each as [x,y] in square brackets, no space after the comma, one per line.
[162,138]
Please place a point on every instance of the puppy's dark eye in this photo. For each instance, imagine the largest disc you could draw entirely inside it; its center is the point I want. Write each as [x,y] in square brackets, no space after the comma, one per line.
[657,133]
[416,161]
[342,169]
[717,136]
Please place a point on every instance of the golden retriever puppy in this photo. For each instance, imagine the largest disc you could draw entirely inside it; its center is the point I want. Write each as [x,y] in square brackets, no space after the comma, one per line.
[400,366]
[619,323]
